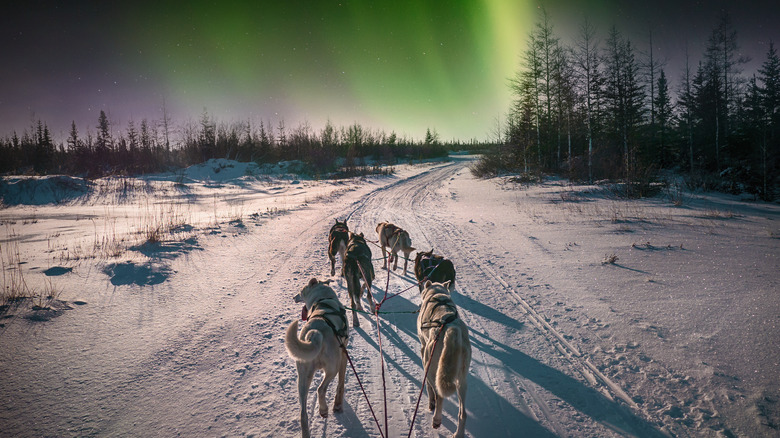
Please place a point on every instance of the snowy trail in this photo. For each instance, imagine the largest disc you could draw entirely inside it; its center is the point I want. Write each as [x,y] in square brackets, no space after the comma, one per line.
[514,400]
[562,344]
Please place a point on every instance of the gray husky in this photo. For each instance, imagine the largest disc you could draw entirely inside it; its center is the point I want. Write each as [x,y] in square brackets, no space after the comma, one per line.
[321,345]
[397,239]
[357,267]
[444,343]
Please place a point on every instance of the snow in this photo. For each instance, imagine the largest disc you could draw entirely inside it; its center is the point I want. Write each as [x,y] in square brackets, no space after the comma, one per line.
[183,336]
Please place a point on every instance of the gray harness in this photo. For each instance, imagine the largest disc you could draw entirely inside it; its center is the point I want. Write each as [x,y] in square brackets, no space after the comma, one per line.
[448,318]
[324,310]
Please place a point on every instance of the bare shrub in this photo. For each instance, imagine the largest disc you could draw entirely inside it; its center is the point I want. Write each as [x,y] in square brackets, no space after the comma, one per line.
[14,286]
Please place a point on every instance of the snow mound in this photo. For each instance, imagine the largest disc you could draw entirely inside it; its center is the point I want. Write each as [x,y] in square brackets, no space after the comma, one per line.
[41,190]
[220,170]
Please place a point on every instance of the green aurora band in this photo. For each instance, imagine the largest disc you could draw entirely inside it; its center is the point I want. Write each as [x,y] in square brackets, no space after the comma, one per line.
[401,66]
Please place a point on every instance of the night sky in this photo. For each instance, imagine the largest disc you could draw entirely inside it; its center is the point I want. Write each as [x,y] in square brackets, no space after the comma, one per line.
[400,65]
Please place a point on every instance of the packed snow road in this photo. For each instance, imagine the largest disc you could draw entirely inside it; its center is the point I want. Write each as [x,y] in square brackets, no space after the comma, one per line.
[554,353]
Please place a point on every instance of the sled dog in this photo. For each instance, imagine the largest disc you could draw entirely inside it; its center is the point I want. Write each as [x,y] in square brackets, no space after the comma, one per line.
[319,346]
[357,263]
[397,239]
[430,266]
[449,356]
[337,243]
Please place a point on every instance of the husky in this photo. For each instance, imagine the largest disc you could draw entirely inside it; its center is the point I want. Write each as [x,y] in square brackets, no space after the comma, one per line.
[449,355]
[321,345]
[337,243]
[396,239]
[357,266]
[430,266]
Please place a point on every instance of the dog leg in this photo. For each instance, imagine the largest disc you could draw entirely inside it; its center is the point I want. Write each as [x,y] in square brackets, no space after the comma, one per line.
[406,261]
[437,413]
[332,265]
[343,253]
[430,389]
[322,391]
[395,260]
[370,297]
[305,375]
[384,256]
[338,403]
[353,290]
[355,320]
[462,387]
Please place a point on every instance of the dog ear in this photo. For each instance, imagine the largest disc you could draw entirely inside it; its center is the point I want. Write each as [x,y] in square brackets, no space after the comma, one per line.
[427,284]
[446,284]
[361,234]
[313,282]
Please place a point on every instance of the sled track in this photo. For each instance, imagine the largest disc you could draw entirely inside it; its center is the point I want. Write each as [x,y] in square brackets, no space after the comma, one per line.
[571,352]
[413,202]
[421,193]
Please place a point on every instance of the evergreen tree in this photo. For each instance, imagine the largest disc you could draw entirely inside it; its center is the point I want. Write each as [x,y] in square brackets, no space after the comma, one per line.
[687,104]
[769,75]
[587,68]
[662,105]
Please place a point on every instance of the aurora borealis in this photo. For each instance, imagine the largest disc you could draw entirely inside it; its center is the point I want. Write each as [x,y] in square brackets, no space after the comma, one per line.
[400,66]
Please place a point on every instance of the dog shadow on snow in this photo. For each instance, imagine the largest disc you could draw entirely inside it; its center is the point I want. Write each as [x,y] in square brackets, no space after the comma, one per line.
[585,399]
[393,325]
[492,409]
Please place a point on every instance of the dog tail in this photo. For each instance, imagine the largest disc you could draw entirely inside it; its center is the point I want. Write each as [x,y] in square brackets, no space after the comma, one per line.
[450,362]
[303,350]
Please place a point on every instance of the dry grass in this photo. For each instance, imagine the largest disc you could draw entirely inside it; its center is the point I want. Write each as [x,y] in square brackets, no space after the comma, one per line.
[676,195]
[609,259]
[161,222]
[14,285]
[45,296]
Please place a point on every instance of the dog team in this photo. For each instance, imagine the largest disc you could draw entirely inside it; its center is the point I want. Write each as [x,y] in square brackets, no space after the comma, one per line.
[322,342]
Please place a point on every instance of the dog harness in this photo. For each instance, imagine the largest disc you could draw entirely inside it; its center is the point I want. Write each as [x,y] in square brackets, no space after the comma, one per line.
[323,309]
[339,229]
[440,300]
[430,262]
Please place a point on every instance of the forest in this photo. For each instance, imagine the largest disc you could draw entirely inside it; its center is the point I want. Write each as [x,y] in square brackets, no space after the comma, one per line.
[156,146]
[590,109]
[598,108]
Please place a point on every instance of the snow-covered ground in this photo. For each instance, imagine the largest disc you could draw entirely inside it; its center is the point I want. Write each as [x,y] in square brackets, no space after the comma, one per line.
[588,315]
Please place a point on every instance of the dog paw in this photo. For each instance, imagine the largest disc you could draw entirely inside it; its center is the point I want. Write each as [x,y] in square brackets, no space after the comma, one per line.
[338,408]
[436,424]
[431,407]
[324,414]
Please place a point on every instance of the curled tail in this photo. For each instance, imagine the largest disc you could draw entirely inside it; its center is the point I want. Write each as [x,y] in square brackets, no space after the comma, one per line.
[450,362]
[305,350]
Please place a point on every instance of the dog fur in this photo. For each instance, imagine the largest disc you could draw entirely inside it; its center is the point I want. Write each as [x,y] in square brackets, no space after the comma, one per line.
[337,243]
[357,261]
[434,267]
[318,347]
[451,358]
[397,239]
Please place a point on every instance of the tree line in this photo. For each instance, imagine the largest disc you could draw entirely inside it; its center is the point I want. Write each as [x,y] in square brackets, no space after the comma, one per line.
[601,109]
[159,145]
